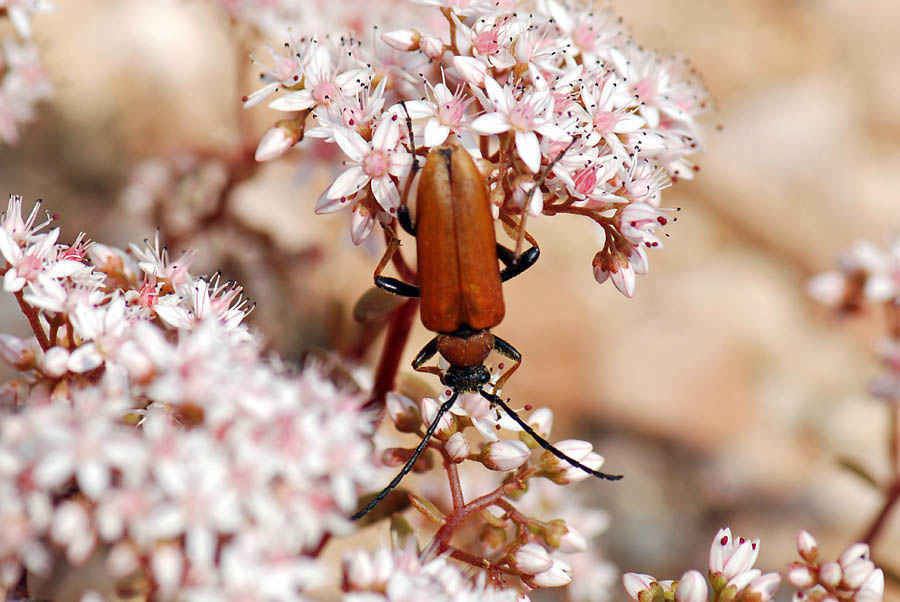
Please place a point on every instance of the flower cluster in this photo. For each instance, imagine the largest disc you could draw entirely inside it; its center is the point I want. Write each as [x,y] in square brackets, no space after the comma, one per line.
[505,540]
[852,578]
[403,574]
[562,110]
[23,81]
[145,428]
[731,577]
[868,275]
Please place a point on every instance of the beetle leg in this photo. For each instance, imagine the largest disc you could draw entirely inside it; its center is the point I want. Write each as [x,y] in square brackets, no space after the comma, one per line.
[393,285]
[506,350]
[427,352]
[515,266]
[445,407]
[495,400]
[405,220]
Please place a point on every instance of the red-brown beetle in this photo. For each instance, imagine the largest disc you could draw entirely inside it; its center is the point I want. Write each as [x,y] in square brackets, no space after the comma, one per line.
[460,287]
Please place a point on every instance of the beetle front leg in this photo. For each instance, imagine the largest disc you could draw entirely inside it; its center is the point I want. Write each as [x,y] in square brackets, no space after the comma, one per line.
[393,285]
[508,351]
[428,351]
[516,265]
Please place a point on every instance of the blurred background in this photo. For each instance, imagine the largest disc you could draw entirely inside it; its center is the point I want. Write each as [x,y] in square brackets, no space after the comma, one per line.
[721,390]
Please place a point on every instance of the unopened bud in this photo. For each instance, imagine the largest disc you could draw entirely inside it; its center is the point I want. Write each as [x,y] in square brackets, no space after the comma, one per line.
[857,551]
[574,474]
[403,412]
[762,588]
[531,559]
[470,69]
[556,576]
[872,589]
[402,39]
[800,576]
[830,574]
[431,46]
[807,546]
[358,571]
[573,541]
[279,139]
[574,448]
[635,583]
[55,361]
[457,447]
[742,580]
[856,573]
[429,409]
[541,420]
[16,352]
[691,587]
[505,454]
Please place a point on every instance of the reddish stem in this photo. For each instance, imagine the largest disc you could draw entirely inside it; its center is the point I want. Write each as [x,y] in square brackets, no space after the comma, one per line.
[893,490]
[34,319]
[392,352]
[456,493]
[440,543]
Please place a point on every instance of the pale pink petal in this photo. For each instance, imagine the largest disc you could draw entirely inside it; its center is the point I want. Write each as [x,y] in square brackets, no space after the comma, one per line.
[260,95]
[85,358]
[386,136]
[386,193]
[435,133]
[326,205]
[361,224]
[293,101]
[491,123]
[348,183]
[353,145]
[529,150]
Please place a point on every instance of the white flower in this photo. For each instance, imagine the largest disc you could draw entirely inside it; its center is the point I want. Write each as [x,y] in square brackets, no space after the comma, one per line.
[527,116]
[372,163]
[324,81]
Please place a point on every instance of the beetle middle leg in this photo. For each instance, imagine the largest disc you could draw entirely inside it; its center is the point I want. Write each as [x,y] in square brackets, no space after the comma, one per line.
[393,285]
[508,351]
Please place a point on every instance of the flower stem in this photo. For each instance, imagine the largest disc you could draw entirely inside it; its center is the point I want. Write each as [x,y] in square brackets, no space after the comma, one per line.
[34,319]
[391,354]
[893,491]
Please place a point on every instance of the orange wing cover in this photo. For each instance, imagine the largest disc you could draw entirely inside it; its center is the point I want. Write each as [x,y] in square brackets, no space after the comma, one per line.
[459,277]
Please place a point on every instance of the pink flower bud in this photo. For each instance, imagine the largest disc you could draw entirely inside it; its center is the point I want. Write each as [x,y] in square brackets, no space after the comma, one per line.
[763,587]
[800,576]
[505,454]
[857,551]
[721,546]
[541,420]
[573,541]
[872,589]
[470,69]
[691,587]
[807,546]
[167,565]
[830,574]
[457,447]
[358,570]
[531,559]
[635,583]
[403,412]
[574,448]
[742,580]
[429,408]
[742,558]
[432,46]
[556,576]
[278,140]
[85,358]
[573,474]
[799,597]
[55,362]
[856,573]
[402,39]
[15,351]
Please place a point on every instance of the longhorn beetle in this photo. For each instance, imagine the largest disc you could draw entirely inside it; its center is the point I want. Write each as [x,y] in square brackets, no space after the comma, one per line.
[460,287]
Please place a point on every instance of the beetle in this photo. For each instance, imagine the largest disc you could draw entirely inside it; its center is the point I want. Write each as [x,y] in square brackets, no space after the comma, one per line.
[460,288]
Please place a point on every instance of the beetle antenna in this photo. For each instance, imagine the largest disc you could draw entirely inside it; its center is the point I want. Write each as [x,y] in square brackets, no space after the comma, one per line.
[445,407]
[544,443]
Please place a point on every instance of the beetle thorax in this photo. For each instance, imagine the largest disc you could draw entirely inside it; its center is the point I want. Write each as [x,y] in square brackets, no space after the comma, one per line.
[465,348]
